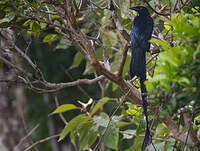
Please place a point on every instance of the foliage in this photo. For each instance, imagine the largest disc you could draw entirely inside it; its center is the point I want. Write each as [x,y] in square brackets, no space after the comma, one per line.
[89,127]
[176,78]
[109,118]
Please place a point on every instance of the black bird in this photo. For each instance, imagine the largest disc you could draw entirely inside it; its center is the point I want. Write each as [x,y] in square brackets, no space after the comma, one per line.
[141,34]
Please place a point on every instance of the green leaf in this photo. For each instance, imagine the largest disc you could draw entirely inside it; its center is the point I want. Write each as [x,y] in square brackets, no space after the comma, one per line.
[20,19]
[127,65]
[26,23]
[167,25]
[137,144]
[161,130]
[3,2]
[77,60]
[125,9]
[89,69]
[5,24]
[195,9]
[73,124]
[100,103]
[84,133]
[102,120]
[159,77]
[114,86]
[35,26]
[64,108]
[56,22]
[73,137]
[141,126]
[126,21]
[111,137]
[115,64]
[163,44]
[184,81]
[92,137]
[167,56]
[50,38]
[43,25]
[133,109]
[109,38]
[107,15]
[122,124]
[160,145]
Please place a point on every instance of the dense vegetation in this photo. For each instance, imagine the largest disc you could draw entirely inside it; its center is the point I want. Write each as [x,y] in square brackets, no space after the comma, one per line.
[72,58]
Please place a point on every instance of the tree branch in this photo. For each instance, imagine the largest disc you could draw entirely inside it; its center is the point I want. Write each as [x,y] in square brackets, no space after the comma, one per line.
[41,141]
[158,13]
[178,134]
[191,133]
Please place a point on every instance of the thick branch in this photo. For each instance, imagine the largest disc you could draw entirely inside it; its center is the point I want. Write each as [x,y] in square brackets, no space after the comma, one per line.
[192,135]
[179,135]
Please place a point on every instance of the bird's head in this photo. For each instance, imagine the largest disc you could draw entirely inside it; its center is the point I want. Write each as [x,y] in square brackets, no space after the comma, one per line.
[141,10]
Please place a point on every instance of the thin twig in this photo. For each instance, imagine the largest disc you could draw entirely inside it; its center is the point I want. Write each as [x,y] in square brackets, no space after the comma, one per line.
[158,13]
[15,66]
[41,141]
[150,59]
[24,138]
[60,114]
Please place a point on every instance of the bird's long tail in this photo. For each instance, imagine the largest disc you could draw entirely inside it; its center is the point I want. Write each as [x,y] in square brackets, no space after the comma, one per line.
[144,104]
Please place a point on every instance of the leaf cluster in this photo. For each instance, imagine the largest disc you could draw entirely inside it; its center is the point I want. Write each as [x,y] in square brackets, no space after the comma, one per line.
[176,79]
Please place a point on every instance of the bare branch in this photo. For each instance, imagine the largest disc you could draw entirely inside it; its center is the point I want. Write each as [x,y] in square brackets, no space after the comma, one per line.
[80,4]
[26,58]
[60,114]
[41,141]
[158,13]
[24,138]
[15,66]
[76,8]
[74,83]
[150,59]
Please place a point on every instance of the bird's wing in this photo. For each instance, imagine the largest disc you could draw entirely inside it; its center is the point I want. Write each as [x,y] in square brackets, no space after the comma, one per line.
[142,34]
